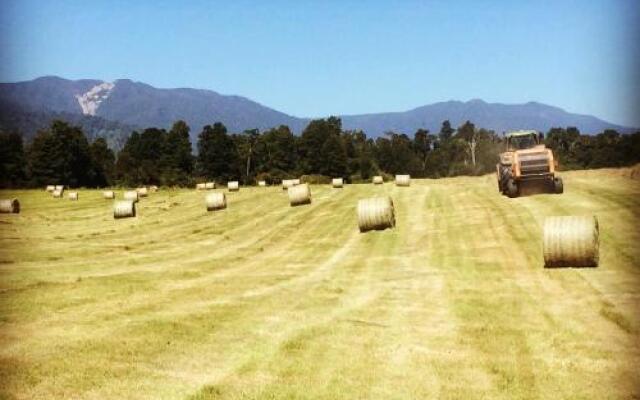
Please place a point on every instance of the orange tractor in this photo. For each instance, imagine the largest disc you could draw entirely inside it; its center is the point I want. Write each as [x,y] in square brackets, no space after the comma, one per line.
[527,161]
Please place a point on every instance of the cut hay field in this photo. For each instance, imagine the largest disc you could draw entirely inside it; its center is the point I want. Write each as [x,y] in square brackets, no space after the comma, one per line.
[263,300]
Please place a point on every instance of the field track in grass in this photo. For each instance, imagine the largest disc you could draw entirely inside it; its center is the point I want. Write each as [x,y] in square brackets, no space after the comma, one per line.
[263,300]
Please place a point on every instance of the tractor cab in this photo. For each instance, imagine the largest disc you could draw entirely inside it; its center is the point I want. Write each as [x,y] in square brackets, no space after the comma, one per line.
[522,140]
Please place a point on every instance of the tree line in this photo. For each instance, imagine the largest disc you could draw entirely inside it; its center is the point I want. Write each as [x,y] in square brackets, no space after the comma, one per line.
[62,154]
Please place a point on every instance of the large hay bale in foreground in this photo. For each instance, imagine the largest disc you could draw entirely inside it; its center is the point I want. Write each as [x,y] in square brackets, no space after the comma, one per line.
[210,185]
[124,209]
[571,241]
[131,195]
[50,188]
[216,201]
[337,182]
[73,196]
[201,186]
[9,206]
[376,213]
[403,180]
[57,194]
[109,194]
[233,186]
[377,180]
[299,195]
[142,192]
[262,183]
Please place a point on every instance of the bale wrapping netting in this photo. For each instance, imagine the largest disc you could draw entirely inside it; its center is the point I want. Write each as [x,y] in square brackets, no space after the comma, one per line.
[571,241]
[59,187]
[50,188]
[9,206]
[57,193]
[376,213]
[233,186]
[210,185]
[262,183]
[216,201]
[299,195]
[124,209]
[131,195]
[142,192]
[109,194]
[73,196]
[201,186]
[337,182]
[377,180]
[403,180]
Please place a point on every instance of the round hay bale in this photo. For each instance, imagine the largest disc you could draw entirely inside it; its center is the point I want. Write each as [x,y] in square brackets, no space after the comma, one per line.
[142,192]
[59,187]
[210,185]
[201,186]
[287,183]
[233,186]
[9,206]
[403,180]
[57,194]
[571,241]
[299,195]
[50,188]
[376,213]
[153,188]
[337,182]
[377,180]
[216,201]
[109,194]
[73,196]
[124,209]
[131,195]
[296,181]
[262,183]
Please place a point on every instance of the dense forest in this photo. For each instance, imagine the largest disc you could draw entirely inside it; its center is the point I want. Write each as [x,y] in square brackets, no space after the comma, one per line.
[62,154]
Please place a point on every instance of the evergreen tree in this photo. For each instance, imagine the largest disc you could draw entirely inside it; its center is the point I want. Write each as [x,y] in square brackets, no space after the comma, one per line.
[13,161]
[217,153]
[103,163]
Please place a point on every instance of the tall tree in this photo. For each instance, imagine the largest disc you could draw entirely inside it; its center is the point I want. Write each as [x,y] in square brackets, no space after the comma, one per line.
[217,153]
[179,160]
[13,161]
[103,163]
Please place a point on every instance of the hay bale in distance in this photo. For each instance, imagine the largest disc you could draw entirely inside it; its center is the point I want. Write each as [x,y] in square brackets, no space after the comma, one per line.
[50,188]
[59,187]
[296,181]
[337,182]
[377,180]
[109,194]
[131,195]
[403,180]
[73,196]
[233,186]
[262,183]
[124,209]
[210,185]
[57,194]
[9,206]
[216,201]
[376,213]
[299,195]
[142,191]
[201,186]
[287,183]
[153,188]
[571,241]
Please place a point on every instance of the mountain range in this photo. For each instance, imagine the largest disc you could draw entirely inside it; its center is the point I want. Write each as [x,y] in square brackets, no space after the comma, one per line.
[114,109]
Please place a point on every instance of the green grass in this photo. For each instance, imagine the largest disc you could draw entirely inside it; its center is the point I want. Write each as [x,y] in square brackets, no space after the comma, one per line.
[266,301]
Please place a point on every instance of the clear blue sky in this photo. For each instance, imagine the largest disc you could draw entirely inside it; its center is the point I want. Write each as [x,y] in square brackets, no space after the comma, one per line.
[342,57]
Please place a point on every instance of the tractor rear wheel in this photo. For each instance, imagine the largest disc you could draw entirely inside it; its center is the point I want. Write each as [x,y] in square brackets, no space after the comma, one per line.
[558,186]
[512,188]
